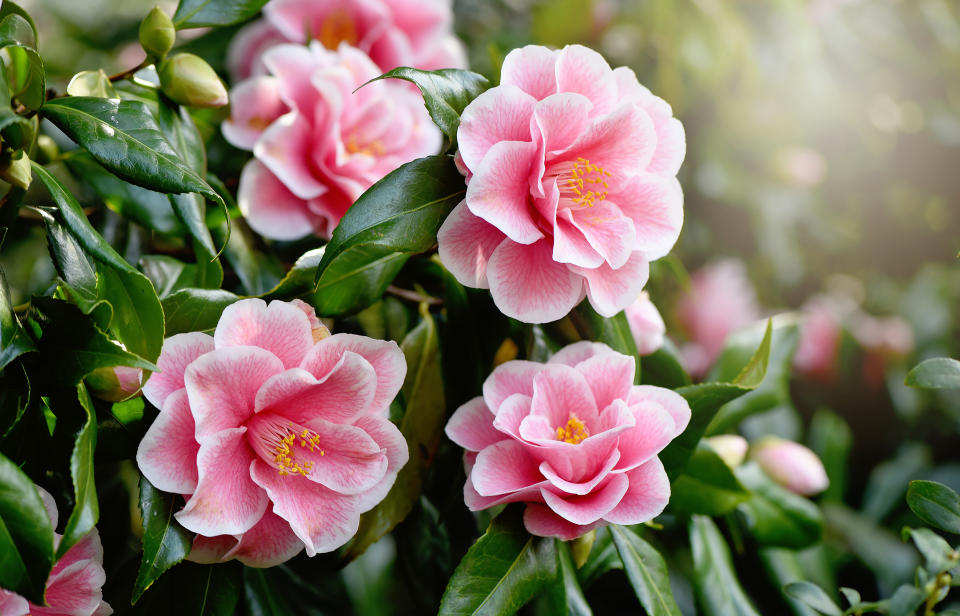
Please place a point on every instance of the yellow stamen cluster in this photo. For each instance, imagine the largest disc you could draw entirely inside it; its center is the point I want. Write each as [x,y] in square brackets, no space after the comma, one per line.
[286,456]
[374,148]
[584,177]
[574,432]
[337,28]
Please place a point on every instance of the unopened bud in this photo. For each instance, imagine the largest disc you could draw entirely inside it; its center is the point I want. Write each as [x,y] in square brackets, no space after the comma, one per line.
[157,33]
[115,383]
[732,448]
[188,80]
[791,465]
[15,170]
[581,546]
[47,149]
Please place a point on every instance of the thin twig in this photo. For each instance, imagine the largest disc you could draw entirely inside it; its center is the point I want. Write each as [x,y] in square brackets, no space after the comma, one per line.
[129,72]
[413,296]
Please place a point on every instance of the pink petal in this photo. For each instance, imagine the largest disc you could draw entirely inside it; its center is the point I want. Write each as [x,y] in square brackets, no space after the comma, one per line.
[269,543]
[292,66]
[269,207]
[655,205]
[222,386]
[674,403]
[245,53]
[578,462]
[321,518]
[588,508]
[512,377]
[559,119]
[286,148]
[76,589]
[499,114]
[385,356]
[561,392]
[88,548]
[177,353]
[465,245]
[226,501]
[671,148]
[503,468]
[582,70]
[13,604]
[167,455]
[612,290]
[609,375]
[609,233]
[471,426]
[532,69]
[646,497]
[281,328]
[254,105]
[341,396]
[541,521]
[528,285]
[570,245]
[581,487]
[622,142]
[475,502]
[653,431]
[572,354]
[212,550]
[512,414]
[388,437]
[500,188]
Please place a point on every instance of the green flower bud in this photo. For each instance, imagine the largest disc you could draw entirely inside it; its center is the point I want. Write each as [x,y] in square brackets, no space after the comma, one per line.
[157,33]
[187,79]
[115,383]
[15,169]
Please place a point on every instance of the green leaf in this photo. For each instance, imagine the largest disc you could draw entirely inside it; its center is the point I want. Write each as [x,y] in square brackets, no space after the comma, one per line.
[26,535]
[165,542]
[783,567]
[12,8]
[603,557]
[880,550]
[647,572]
[565,594]
[215,591]
[707,485]
[663,368]
[936,373]
[906,600]
[16,129]
[193,310]
[613,331]
[263,596]
[502,571]
[86,508]
[124,137]
[170,275]
[813,595]
[25,75]
[715,578]
[939,555]
[422,428]
[446,93]
[300,278]
[92,83]
[200,13]
[15,29]
[935,504]
[397,217]
[774,515]
[258,272]
[14,340]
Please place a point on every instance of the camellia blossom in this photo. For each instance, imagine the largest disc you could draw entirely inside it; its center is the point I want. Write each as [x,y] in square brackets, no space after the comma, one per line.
[318,141]
[646,324]
[275,432]
[820,335]
[791,465]
[417,33]
[571,190]
[574,438]
[74,585]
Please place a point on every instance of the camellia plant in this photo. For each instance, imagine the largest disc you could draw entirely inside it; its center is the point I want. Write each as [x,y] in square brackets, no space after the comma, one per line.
[333,325]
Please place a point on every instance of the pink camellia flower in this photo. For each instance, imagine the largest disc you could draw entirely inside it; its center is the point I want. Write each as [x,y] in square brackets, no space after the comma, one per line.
[74,585]
[572,191]
[277,441]
[646,324]
[417,33]
[820,336]
[574,438]
[318,143]
[791,465]
[721,300]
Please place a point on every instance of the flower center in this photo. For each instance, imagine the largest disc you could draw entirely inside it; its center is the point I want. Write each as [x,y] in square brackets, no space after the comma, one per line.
[585,183]
[574,432]
[337,28]
[279,441]
[354,146]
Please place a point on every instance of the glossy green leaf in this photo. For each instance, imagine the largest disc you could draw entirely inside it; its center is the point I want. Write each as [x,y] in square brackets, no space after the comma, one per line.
[603,557]
[12,8]
[86,508]
[397,217]
[258,272]
[300,278]
[831,439]
[935,504]
[192,310]
[613,331]
[263,597]
[814,596]
[502,571]
[92,83]
[707,485]
[200,13]
[774,515]
[26,536]
[565,594]
[170,275]
[165,542]
[936,373]
[446,93]
[422,428]
[214,590]
[663,368]
[783,567]
[716,580]
[14,340]
[16,29]
[647,572]
[25,75]
[938,554]
[17,130]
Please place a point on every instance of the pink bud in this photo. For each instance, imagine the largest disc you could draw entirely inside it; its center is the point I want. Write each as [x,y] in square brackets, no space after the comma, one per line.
[791,465]
[646,324]
[732,448]
[115,383]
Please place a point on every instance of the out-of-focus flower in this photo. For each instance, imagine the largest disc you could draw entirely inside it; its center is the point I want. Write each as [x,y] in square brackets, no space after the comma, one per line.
[646,324]
[317,143]
[791,465]
[74,585]
[886,336]
[115,383]
[572,188]
[820,335]
[721,300]
[278,442]
[417,33]
[574,438]
[732,448]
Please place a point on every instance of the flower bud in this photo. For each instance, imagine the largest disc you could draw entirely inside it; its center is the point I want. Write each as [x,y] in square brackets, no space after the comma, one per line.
[791,465]
[47,149]
[115,383]
[157,33]
[732,448]
[15,169]
[188,80]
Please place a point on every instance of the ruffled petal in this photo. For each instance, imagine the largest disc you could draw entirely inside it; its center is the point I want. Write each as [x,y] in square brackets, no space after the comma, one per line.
[254,105]
[465,245]
[612,290]
[499,114]
[532,69]
[177,353]
[588,508]
[471,426]
[646,497]
[280,327]
[655,205]
[500,189]
[503,468]
[512,377]
[528,285]
[167,455]
[270,208]
[541,521]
